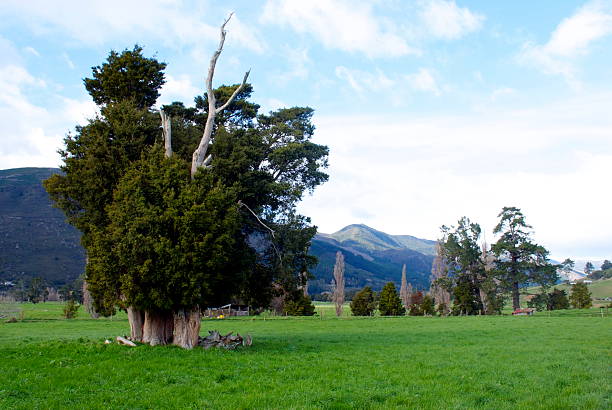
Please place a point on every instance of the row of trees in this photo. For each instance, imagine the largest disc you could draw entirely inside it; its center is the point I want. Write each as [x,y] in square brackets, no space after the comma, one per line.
[187,208]
[580,298]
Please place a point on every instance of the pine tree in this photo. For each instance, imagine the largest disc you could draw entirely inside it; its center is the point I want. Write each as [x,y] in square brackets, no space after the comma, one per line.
[519,259]
[390,304]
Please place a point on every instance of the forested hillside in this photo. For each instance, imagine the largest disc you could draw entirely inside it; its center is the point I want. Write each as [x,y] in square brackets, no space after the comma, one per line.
[35,239]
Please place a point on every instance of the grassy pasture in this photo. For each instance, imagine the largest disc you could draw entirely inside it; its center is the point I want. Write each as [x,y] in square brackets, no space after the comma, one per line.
[540,362]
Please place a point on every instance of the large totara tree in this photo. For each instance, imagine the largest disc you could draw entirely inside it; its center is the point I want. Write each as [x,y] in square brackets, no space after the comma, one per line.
[520,261]
[201,216]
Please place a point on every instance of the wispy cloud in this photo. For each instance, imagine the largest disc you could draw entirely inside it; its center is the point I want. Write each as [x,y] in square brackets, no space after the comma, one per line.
[444,19]
[340,24]
[571,39]
[423,80]
[172,23]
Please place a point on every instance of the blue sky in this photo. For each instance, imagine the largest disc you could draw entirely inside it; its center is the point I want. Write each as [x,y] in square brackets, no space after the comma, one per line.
[432,109]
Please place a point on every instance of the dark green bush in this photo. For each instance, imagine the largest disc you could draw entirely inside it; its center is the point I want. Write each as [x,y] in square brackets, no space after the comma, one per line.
[363,302]
[390,303]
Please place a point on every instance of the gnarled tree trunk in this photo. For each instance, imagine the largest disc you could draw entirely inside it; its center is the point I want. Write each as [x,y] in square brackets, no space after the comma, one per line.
[136,318]
[186,327]
[158,328]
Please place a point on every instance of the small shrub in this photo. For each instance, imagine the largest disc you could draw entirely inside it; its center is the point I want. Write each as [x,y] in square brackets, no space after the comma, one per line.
[363,302]
[301,306]
[70,309]
[580,297]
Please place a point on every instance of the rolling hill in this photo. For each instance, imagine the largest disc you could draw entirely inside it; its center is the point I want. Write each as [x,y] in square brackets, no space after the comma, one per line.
[35,240]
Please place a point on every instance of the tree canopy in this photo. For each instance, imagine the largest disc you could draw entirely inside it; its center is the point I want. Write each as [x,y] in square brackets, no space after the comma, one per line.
[161,238]
[520,261]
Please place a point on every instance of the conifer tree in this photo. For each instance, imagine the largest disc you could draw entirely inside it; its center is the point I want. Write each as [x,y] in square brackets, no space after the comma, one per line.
[390,304]
[519,259]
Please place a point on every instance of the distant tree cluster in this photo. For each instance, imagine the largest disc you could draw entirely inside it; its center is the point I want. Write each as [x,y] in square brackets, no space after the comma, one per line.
[475,278]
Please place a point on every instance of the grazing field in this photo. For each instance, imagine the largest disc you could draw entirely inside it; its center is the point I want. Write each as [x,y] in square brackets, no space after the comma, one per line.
[505,362]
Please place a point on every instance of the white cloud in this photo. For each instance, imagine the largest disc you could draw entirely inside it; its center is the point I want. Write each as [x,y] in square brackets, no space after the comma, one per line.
[172,22]
[68,61]
[571,38]
[179,88]
[32,134]
[423,80]
[413,174]
[444,19]
[340,24]
[32,51]
[362,81]
[502,92]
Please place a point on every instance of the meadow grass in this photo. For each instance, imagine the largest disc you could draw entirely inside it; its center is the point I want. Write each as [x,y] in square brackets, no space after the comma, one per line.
[503,362]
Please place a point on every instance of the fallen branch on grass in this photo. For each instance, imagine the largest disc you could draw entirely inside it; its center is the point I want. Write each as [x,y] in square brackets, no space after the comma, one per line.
[125,341]
[229,341]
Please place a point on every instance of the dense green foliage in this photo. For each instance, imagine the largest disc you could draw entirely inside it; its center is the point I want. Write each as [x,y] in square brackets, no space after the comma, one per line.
[555,300]
[390,303]
[160,240]
[505,362]
[580,298]
[363,302]
[126,76]
[299,306]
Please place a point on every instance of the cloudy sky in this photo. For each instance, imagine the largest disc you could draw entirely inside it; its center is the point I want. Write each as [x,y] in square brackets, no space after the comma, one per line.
[432,109]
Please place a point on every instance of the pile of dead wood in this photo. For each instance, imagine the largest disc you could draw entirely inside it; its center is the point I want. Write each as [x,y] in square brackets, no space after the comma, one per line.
[214,339]
[229,341]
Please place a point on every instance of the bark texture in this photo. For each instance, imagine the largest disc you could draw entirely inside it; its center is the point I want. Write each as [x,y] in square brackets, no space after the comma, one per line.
[88,302]
[187,328]
[158,328]
[136,318]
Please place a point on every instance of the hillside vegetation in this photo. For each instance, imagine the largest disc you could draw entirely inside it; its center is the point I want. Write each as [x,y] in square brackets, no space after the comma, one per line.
[35,239]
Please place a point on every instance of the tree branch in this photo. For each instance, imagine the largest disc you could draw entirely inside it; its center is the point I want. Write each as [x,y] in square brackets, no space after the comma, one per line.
[199,158]
[166,132]
[235,93]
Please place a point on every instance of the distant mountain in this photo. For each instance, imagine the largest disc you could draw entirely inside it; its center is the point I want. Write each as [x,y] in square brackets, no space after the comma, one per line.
[35,239]
[372,258]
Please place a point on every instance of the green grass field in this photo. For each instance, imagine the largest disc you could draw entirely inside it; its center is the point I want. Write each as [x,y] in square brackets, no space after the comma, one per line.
[542,362]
